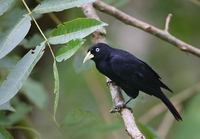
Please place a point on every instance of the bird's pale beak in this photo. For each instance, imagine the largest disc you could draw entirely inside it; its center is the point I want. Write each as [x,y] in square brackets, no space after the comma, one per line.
[88,57]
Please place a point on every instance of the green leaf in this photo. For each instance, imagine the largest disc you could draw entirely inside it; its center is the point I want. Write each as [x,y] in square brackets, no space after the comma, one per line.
[75,29]
[4,134]
[56,88]
[56,78]
[8,62]
[5,5]
[35,93]
[11,18]
[33,41]
[20,73]
[48,6]
[15,36]
[69,50]
[7,106]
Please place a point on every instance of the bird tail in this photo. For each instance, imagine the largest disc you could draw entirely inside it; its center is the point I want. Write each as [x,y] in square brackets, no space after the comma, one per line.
[171,107]
[165,86]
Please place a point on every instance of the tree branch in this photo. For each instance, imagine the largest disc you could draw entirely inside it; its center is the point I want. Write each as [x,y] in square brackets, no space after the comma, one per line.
[127,116]
[162,34]
[168,19]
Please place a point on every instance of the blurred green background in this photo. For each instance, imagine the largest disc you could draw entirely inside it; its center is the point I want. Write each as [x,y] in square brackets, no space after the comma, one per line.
[85,101]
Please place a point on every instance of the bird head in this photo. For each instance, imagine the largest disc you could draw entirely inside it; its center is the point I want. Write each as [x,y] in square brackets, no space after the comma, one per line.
[97,52]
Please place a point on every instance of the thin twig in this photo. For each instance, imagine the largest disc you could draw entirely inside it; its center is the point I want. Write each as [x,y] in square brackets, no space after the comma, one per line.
[168,19]
[40,30]
[162,34]
[126,114]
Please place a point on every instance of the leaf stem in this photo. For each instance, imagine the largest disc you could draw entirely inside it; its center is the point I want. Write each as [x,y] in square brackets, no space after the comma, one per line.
[55,70]
[41,32]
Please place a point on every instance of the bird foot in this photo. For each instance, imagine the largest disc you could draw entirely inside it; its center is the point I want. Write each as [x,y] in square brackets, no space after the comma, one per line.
[110,83]
[119,107]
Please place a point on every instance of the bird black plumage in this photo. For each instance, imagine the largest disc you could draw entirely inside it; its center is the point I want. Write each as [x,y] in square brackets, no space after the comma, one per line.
[130,73]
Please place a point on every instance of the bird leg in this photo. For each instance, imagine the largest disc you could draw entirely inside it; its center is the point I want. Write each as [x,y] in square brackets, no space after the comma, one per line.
[108,83]
[128,101]
[117,108]
[120,106]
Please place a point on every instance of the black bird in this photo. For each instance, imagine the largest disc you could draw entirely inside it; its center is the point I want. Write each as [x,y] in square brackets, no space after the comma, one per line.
[129,73]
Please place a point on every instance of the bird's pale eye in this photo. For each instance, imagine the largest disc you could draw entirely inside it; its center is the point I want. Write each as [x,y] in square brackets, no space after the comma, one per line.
[97,49]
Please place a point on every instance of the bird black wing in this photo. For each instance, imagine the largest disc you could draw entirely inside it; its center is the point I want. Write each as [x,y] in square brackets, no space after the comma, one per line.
[132,71]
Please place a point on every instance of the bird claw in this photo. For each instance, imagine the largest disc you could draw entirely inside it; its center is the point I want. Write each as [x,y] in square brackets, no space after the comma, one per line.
[115,109]
[119,107]
[108,83]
